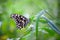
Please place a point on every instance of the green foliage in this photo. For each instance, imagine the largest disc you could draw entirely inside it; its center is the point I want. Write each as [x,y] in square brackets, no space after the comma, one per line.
[40,29]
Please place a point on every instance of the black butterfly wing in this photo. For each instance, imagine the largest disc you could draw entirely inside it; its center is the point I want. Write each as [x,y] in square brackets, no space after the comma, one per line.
[20,20]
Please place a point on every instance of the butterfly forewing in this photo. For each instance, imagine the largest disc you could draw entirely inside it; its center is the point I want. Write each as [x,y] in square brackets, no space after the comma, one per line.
[20,20]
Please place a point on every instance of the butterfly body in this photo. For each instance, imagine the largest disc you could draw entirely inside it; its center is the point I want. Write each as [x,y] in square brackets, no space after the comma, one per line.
[20,20]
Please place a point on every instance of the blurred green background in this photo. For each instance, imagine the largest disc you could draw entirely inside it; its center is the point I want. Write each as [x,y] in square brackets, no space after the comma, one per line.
[29,8]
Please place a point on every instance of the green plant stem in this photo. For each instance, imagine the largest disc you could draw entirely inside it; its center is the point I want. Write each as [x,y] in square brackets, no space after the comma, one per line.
[37,29]
[37,22]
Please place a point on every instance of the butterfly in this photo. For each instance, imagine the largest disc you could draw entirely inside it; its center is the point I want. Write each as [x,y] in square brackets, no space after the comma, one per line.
[21,21]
